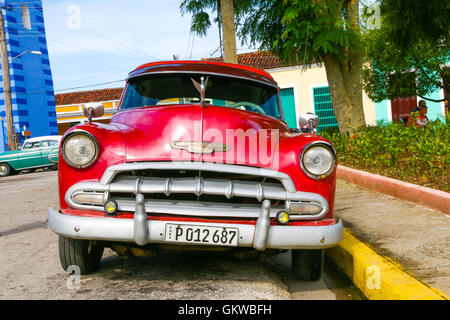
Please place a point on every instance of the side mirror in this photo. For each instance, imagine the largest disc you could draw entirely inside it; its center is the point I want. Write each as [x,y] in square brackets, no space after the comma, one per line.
[307,122]
[93,110]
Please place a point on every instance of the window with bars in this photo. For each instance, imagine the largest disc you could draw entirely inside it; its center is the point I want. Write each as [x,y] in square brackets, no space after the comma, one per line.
[323,108]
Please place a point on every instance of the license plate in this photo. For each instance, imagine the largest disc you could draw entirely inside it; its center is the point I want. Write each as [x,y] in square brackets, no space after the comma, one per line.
[218,236]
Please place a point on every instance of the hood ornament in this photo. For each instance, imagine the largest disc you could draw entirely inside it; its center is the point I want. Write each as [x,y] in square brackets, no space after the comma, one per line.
[201,88]
[200,146]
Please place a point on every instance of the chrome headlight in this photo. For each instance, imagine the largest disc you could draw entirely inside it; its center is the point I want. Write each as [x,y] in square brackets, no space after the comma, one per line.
[318,160]
[79,149]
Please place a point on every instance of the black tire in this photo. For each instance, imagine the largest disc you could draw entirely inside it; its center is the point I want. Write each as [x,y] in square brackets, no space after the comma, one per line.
[307,265]
[86,254]
[5,170]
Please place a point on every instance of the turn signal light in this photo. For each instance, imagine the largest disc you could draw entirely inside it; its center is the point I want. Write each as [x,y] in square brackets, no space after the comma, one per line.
[304,208]
[89,198]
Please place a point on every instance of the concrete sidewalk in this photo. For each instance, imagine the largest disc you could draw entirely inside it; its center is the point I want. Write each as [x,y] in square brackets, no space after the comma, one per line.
[415,238]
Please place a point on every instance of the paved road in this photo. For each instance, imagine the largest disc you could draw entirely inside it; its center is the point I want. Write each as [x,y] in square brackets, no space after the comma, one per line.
[416,237]
[30,267]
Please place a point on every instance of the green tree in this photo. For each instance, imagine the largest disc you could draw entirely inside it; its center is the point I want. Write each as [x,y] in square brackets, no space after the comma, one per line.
[305,32]
[201,21]
[406,21]
[392,73]
[407,56]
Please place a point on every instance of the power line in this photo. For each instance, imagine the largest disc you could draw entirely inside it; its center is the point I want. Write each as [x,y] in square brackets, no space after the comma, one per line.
[73,88]
[100,37]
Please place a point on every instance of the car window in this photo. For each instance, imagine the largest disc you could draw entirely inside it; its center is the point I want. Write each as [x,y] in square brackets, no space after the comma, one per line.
[50,143]
[178,88]
[31,145]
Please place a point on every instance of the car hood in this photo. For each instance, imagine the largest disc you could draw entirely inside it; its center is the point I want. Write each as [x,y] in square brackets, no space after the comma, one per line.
[196,133]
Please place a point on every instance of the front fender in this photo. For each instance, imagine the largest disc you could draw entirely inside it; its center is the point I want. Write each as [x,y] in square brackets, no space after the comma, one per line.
[287,160]
[111,151]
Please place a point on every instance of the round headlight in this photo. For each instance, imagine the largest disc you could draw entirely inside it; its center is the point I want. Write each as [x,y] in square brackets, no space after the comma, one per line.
[318,161]
[80,150]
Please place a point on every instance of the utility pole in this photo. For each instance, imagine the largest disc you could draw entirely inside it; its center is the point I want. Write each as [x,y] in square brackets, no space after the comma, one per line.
[229,32]
[7,85]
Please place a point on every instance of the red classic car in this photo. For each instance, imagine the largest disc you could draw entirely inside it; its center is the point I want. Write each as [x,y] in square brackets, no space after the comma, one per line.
[198,156]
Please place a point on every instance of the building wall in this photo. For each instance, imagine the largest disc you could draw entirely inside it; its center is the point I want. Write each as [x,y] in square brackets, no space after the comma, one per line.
[32,94]
[304,81]
[436,110]
[70,115]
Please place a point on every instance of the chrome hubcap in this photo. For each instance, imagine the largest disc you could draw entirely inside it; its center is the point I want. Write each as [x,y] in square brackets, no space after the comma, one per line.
[3,170]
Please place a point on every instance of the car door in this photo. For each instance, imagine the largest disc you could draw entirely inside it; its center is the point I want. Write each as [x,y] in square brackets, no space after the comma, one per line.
[49,152]
[30,155]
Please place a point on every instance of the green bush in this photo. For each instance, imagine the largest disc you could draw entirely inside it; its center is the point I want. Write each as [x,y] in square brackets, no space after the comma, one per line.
[417,155]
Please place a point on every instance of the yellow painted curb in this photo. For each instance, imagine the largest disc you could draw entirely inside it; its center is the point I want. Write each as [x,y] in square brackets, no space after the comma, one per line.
[378,277]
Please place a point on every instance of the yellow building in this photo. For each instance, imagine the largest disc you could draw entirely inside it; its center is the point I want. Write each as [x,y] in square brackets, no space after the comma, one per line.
[69,106]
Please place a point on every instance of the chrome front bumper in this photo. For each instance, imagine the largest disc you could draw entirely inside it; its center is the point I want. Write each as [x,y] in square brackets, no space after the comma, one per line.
[143,231]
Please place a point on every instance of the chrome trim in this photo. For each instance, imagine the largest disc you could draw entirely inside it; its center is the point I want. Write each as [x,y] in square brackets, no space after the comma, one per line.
[262,227]
[313,144]
[88,134]
[200,146]
[140,221]
[197,186]
[112,171]
[114,229]
[195,208]
[34,167]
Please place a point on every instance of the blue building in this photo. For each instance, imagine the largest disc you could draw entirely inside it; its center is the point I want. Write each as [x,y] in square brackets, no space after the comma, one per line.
[32,95]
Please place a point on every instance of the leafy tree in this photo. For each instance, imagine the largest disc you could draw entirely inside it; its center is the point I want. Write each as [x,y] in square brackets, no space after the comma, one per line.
[306,32]
[406,21]
[409,54]
[225,17]
[391,73]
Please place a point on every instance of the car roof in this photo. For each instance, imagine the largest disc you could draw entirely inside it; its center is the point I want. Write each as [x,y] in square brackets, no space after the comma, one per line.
[58,138]
[207,67]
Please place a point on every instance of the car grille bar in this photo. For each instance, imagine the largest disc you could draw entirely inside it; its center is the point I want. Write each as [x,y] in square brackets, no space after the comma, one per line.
[200,186]
[158,192]
[114,170]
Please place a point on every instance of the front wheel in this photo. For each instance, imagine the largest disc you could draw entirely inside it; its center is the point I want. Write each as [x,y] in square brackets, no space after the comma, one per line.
[85,254]
[307,264]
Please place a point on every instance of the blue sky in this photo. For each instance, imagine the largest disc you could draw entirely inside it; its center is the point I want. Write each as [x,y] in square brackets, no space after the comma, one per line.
[97,41]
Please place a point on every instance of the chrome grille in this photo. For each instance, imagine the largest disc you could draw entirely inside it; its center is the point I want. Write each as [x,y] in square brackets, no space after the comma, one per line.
[195,189]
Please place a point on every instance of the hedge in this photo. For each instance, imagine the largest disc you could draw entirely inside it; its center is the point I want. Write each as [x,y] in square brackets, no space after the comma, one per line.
[416,155]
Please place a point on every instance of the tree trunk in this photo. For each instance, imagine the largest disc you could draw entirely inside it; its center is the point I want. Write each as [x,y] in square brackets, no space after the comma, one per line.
[344,74]
[229,33]
[347,101]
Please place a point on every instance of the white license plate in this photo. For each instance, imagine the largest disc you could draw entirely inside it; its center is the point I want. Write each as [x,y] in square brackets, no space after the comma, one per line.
[218,236]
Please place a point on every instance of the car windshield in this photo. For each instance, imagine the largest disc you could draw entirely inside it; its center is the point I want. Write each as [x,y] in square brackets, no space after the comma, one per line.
[178,88]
